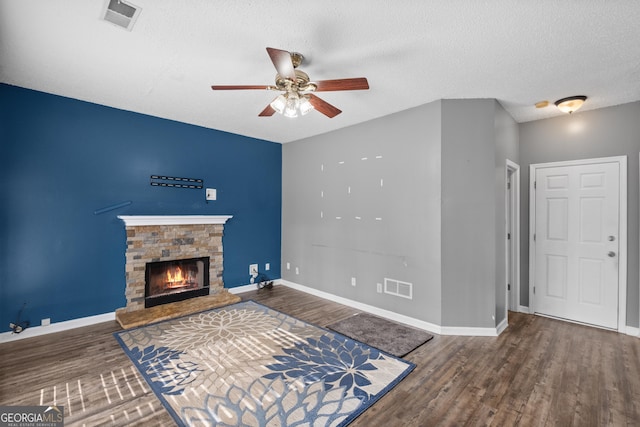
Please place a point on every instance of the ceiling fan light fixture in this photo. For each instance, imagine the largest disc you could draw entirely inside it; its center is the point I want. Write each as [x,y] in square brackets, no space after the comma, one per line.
[570,104]
[279,103]
[293,104]
[305,106]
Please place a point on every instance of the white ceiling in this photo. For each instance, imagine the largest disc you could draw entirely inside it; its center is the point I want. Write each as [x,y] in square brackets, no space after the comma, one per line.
[412,52]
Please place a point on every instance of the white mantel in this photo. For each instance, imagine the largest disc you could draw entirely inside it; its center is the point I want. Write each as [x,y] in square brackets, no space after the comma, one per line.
[137,220]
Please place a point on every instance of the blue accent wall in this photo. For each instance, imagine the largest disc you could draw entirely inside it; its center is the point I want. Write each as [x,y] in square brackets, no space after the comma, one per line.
[64,159]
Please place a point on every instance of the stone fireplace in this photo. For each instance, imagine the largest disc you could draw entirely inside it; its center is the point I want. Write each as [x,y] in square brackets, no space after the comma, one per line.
[181,245]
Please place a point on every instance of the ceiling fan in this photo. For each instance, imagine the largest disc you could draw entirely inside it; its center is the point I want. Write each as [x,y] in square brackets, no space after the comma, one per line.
[297,88]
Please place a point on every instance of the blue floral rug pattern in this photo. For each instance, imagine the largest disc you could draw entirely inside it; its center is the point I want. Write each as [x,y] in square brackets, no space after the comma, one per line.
[249,365]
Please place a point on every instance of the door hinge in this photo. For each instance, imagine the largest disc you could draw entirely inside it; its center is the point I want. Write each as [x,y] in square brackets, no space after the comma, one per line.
[534,237]
[508,236]
[508,287]
[535,183]
[508,186]
[534,290]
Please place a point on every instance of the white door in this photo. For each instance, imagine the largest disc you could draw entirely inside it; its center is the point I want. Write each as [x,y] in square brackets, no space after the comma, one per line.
[577,236]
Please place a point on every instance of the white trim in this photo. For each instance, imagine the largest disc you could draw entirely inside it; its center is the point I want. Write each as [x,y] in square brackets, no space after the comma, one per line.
[420,324]
[470,331]
[514,168]
[244,288]
[502,326]
[634,332]
[137,220]
[57,327]
[523,309]
[622,238]
[417,323]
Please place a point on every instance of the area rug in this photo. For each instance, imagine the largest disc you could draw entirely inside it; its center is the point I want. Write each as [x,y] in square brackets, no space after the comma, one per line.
[391,337]
[249,365]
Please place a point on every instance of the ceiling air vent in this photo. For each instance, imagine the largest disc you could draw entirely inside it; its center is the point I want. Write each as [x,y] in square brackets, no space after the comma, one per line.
[121,13]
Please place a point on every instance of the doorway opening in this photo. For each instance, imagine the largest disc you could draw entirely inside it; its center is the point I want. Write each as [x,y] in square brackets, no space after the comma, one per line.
[512,242]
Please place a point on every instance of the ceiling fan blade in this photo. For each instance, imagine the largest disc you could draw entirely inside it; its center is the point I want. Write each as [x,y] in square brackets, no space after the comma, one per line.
[267,112]
[239,87]
[282,61]
[323,106]
[357,83]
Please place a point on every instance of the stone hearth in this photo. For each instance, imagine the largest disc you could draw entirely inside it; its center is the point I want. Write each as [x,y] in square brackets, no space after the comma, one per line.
[166,238]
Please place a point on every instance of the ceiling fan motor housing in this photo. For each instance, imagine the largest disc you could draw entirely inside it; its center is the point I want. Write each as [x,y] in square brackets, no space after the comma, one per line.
[302,82]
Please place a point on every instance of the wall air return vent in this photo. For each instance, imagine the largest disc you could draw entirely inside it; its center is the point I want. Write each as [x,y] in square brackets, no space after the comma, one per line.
[121,13]
[398,288]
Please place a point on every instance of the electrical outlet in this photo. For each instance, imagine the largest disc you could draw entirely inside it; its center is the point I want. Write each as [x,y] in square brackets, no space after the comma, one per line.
[288,266]
[253,269]
[353,281]
[267,267]
[212,194]
[46,321]
[297,270]
[379,287]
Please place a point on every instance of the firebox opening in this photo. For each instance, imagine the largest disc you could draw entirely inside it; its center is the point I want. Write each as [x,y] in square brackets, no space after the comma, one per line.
[175,280]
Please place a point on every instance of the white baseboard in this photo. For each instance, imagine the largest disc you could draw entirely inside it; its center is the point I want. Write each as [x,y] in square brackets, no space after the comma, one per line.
[250,287]
[85,321]
[57,327]
[469,331]
[420,324]
[417,323]
[502,326]
[242,288]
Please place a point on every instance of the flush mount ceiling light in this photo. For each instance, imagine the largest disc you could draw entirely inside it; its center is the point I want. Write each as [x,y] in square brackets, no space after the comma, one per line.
[571,103]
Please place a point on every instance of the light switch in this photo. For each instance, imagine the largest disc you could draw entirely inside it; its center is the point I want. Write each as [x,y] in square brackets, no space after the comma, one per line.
[212,193]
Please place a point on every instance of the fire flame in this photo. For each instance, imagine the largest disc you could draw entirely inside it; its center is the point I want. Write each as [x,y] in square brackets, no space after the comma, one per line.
[174,277]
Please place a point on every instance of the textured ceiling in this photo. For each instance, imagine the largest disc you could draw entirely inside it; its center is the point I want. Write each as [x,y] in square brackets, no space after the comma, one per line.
[412,52]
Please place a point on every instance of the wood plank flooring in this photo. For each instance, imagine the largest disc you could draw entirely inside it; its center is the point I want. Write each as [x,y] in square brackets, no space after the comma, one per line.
[539,372]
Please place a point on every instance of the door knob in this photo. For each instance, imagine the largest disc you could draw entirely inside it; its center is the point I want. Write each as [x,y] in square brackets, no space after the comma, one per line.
[611,254]
[611,238]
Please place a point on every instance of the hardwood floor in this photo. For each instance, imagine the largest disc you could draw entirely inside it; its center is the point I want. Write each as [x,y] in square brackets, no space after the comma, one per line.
[540,372]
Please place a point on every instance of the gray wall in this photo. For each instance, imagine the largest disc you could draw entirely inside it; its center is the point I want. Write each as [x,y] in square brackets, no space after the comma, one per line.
[613,131]
[403,150]
[441,206]
[507,148]
[477,138]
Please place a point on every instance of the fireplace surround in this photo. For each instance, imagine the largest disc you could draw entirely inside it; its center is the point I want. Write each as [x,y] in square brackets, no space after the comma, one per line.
[175,239]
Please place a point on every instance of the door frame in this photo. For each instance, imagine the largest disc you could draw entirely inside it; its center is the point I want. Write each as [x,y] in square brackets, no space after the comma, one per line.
[512,222]
[622,251]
